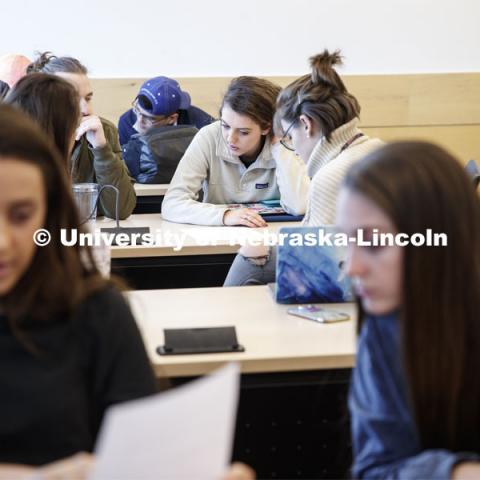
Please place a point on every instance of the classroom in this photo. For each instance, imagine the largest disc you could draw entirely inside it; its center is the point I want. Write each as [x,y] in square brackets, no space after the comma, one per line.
[242,234]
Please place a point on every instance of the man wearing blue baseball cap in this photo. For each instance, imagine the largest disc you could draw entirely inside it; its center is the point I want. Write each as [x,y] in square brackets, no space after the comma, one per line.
[152,153]
[186,113]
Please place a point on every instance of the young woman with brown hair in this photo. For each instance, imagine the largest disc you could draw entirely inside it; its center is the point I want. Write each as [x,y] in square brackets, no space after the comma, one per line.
[69,345]
[96,156]
[53,104]
[317,118]
[415,395]
[233,161]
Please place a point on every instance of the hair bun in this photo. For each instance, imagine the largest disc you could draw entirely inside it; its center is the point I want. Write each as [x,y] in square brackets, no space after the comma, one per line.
[322,69]
[39,64]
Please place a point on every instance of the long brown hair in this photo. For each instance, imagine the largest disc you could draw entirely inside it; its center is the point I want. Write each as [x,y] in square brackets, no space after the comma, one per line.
[254,97]
[59,277]
[421,186]
[320,95]
[51,102]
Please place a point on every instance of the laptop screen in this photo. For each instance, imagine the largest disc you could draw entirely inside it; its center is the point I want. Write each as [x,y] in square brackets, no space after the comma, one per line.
[309,271]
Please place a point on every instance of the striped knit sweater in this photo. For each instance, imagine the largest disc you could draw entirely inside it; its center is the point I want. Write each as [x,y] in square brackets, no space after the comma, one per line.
[328,165]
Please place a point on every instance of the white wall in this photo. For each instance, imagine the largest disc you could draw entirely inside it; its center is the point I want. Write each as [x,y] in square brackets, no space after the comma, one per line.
[142,38]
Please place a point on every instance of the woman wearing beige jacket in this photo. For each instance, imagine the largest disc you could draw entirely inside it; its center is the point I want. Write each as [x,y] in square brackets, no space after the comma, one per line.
[234,160]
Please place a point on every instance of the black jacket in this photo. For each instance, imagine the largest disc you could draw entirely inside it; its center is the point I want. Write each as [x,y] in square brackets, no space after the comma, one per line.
[153,157]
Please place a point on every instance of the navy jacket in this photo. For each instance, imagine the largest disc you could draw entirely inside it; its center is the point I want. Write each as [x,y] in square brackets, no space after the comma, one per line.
[193,116]
[153,157]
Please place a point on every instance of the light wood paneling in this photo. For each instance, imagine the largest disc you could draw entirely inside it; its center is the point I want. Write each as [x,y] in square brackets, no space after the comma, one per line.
[386,100]
[440,107]
[412,100]
[461,140]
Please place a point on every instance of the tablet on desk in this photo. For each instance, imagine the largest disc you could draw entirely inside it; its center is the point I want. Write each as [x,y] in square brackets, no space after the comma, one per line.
[269,210]
[182,341]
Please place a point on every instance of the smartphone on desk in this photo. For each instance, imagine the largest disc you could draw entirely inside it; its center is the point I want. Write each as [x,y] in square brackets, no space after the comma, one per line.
[318,314]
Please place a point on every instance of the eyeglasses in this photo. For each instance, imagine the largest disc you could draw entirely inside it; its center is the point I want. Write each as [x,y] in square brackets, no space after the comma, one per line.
[286,140]
[149,119]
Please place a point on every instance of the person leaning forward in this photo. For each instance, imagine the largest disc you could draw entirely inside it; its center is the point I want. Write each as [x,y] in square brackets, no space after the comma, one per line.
[96,155]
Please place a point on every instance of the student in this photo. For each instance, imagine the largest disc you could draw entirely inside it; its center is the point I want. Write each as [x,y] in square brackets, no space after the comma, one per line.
[53,104]
[187,114]
[152,155]
[35,95]
[96,156]
[318,119]
[234,161]
[70,347]
[415,394]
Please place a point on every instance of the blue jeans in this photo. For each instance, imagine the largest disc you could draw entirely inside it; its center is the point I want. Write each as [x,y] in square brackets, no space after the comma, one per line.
[252,270]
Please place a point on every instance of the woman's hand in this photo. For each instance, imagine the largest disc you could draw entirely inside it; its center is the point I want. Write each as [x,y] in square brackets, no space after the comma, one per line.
[76,467]
[240,471]
[10,471]
[466,471]
[243,216]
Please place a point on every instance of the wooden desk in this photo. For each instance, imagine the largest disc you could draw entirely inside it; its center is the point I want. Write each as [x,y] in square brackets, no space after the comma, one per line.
[151,189]
[292,420]
[198,239]
[150,197]
[203,261]
[274,340]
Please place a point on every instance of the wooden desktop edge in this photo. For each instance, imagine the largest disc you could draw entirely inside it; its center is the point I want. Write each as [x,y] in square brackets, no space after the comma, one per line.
[192,367]
[150,190]
[156,251]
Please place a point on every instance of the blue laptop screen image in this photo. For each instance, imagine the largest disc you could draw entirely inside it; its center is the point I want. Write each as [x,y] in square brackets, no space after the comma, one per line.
[311,274]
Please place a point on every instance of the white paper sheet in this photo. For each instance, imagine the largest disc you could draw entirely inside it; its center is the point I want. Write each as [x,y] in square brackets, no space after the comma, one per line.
[186,433]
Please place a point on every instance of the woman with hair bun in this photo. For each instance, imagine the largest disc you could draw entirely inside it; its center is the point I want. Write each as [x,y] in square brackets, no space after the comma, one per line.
[317,118]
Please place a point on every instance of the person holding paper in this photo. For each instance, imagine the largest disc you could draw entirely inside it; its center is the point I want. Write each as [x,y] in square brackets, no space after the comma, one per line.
[69,345]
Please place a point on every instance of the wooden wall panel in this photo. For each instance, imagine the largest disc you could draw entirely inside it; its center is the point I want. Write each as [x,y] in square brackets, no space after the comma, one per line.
[438,107]
[461,140]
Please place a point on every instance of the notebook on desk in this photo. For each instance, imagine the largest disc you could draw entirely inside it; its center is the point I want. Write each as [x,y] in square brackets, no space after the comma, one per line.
[310,273]
[269,210]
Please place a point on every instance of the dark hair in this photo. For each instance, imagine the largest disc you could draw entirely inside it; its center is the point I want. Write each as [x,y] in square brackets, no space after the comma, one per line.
[253,97]
[59,277]
[4,88]
[320,95]
[53,103]
[145,103]
[421,186]
[49,63]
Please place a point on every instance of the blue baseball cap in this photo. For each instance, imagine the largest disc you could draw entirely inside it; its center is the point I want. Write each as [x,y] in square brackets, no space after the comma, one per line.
[165,95]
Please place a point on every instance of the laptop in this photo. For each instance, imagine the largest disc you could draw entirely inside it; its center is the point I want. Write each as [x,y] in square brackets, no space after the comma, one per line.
[310,273]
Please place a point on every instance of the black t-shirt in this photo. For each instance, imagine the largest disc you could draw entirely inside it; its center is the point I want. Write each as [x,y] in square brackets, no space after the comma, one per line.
[52,404]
